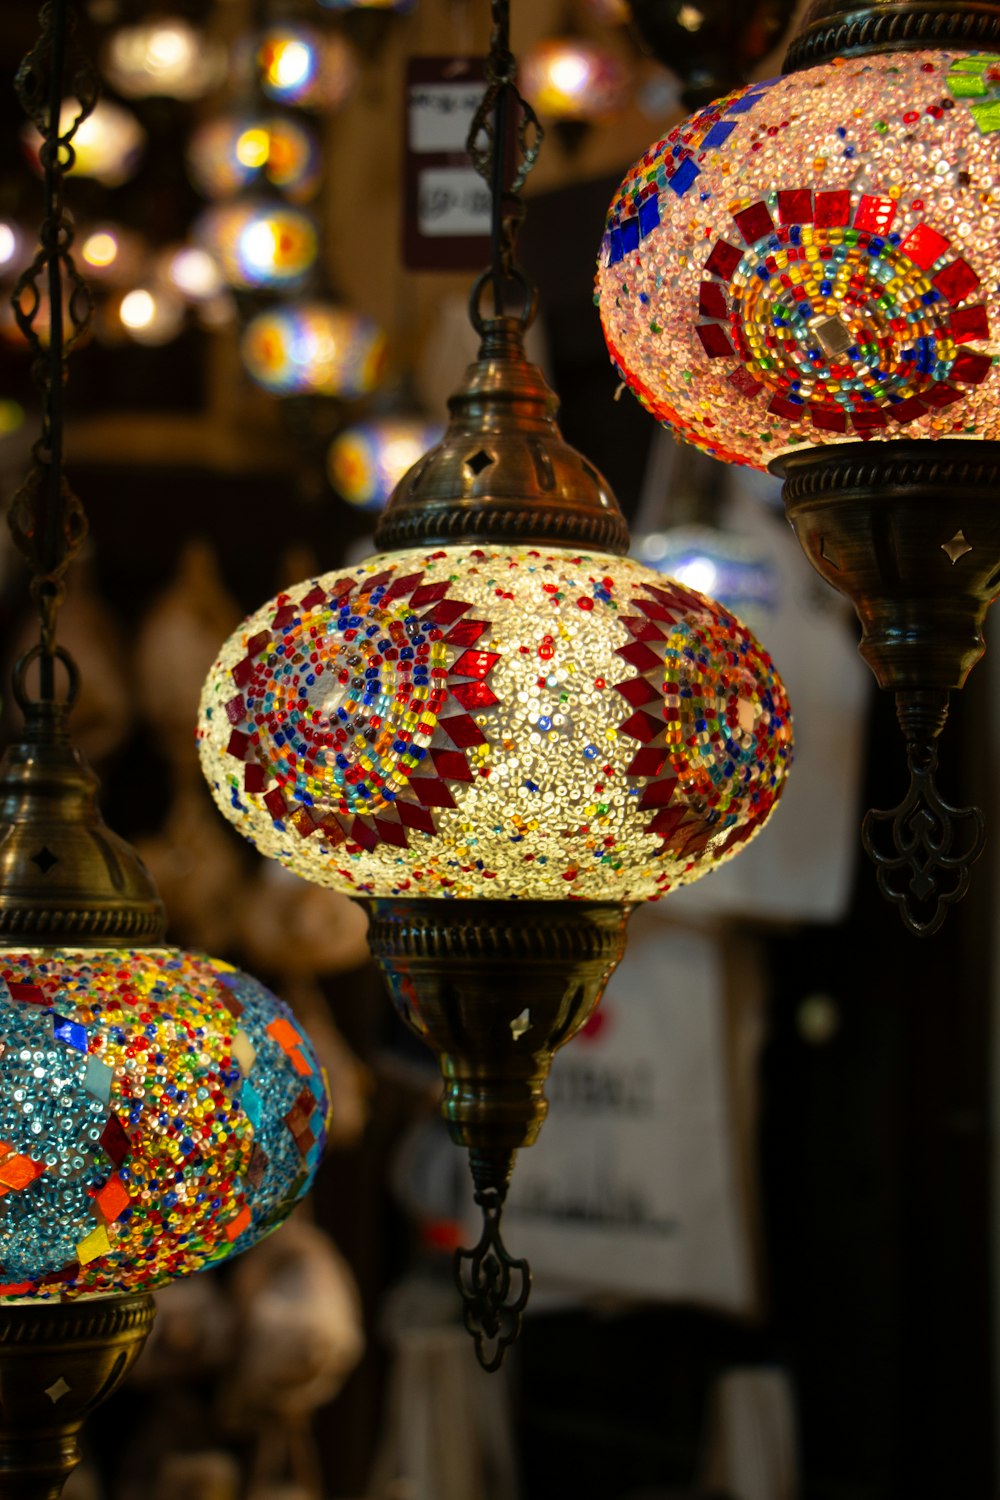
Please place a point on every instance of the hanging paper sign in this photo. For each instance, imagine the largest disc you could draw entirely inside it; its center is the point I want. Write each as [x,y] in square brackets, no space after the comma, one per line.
[446,209]
[634,1186]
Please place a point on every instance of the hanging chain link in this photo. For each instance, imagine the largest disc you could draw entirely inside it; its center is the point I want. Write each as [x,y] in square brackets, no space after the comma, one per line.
[46,518]
[488,146]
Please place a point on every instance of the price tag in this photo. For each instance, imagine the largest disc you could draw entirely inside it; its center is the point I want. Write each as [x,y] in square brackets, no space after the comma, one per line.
[454,201]
[446,209]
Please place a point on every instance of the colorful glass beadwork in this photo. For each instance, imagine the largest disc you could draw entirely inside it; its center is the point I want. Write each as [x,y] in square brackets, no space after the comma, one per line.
[159,1112]
[814,259]
[477,722]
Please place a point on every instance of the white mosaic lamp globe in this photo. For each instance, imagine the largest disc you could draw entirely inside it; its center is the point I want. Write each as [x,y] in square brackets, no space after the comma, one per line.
[498,723]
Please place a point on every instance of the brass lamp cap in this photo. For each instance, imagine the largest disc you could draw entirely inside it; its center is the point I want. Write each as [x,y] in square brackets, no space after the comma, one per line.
[65,878]
[845,28]
[503,471]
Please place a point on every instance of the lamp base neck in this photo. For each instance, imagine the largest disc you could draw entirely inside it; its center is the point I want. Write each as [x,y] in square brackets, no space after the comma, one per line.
[494,988]
[58,1363]
[909,531]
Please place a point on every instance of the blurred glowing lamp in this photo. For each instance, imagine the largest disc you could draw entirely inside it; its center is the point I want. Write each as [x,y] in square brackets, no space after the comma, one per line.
[15,249]
[150,315]
[192,272]
[736,571]
[108,145]
[99,250]
[296,65]
[367,461]
[569,78]
[110,254]
[259,244]
[314,348]
[167,57]
[233,152]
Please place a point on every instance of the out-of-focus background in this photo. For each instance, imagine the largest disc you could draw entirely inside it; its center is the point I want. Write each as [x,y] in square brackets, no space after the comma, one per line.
[760,1211]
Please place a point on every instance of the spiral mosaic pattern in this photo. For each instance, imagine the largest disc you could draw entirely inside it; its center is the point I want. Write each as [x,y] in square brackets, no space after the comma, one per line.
[476,722]
[831,317]
[159,1112]
[815,259]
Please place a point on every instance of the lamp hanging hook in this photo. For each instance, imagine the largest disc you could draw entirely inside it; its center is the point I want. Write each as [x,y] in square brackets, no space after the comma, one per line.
[494,1285]
[924,874]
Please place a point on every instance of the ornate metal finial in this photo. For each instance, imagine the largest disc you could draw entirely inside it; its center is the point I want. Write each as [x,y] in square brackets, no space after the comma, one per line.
[494,1285]
[46,518]
[924,874]
[494,988]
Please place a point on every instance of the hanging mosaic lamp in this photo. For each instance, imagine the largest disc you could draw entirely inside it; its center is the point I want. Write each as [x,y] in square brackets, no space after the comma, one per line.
[15,249]
[147,314]
[300,66]
[233,152]
[368,459]
[803,276]
[164,57]
[192,272]
[159,1111]
[112,255]
[499,733]
[259,243]
[572,78]
[316,349]
[108,145]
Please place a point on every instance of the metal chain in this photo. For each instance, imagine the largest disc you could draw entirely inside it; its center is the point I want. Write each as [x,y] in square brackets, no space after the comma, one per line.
[488,146]
[46,518]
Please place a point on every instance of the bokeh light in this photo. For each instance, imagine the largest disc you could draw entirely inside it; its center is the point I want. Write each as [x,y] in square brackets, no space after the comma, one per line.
[315,348]
[366,461]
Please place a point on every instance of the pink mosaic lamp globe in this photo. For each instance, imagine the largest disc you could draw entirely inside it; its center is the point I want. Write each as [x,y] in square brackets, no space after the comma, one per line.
[804,276]
[814,260]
